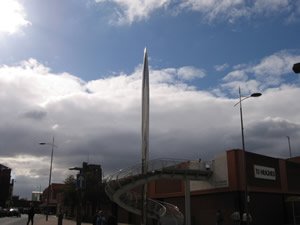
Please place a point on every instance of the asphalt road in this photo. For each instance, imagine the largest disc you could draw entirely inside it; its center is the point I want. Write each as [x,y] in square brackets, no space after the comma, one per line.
[18,220]
[38,220]
[14,220]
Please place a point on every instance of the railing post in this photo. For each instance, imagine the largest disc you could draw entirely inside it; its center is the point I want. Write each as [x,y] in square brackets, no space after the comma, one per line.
[187,202]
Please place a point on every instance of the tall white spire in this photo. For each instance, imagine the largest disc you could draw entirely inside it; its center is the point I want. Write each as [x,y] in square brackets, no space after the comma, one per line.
[145,134]
[145,113]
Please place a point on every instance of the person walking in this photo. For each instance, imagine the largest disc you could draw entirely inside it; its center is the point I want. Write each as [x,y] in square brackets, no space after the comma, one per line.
[219,217]
[60,217]
[236,217]
[31,213]
[245,218]
[100,219]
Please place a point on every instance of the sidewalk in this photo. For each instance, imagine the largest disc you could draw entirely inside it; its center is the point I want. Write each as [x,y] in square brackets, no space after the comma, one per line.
[52,220]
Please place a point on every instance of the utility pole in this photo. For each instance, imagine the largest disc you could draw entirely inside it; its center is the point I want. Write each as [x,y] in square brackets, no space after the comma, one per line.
[50,174]
[246,200]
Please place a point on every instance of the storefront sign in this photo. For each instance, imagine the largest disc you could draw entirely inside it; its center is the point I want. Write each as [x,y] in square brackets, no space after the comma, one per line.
[263,172]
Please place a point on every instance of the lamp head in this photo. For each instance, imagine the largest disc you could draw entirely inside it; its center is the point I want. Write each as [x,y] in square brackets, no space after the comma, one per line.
[75,168]
[296,68]
[255,95]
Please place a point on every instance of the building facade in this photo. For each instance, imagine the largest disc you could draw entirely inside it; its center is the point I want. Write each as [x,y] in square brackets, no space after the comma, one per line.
[84,194]
[6,186]
[36,196]
[54,191]
[273,187]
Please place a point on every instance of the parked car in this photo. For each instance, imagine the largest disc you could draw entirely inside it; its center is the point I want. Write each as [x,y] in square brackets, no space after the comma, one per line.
[14,212]
[4,212]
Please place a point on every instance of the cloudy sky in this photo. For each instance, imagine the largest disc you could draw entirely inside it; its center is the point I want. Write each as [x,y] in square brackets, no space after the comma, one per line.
[72,70]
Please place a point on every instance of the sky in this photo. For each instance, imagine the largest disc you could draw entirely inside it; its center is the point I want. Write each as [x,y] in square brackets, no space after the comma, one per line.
[72,70]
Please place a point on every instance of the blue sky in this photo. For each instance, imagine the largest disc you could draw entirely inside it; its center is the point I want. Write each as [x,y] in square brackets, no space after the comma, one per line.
[82,37]
[72,69]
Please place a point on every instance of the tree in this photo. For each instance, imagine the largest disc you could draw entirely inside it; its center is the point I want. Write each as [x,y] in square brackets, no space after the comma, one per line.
[70,194]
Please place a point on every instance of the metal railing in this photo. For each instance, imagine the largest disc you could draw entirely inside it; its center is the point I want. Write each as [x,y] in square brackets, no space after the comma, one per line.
[132,198]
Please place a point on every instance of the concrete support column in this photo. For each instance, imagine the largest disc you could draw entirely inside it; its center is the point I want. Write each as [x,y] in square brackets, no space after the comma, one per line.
[187,202]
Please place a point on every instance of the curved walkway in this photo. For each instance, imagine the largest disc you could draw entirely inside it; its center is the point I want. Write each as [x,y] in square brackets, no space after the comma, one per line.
[121,187]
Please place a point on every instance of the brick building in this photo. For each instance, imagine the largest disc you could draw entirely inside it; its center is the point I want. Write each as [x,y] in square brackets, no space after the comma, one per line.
[273,185]
[54,191]
[6,186]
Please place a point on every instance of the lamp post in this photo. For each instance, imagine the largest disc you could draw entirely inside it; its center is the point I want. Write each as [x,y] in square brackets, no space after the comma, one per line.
[243,148]
[50,173]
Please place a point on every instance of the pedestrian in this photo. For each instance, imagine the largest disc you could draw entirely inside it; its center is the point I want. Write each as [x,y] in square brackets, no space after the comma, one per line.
[100,219]
[236,217]
[60,217]
[245,218]
[219,217]
[30,214]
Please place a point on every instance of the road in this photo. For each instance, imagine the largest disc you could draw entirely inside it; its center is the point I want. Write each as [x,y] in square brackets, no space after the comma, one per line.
[38,220]
[14,220]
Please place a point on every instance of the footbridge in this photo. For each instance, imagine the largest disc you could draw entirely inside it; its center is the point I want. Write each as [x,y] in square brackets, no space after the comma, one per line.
[122,186]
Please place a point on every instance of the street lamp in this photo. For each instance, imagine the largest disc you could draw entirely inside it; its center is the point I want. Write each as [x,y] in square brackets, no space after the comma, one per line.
[79,180]
[50,173]
[296,68]
[243,145]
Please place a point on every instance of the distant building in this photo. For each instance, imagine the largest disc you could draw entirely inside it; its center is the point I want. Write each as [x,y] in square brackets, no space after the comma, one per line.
[90,179]
[36,196]
[54,190]
[20,203]
[6,186]
[92,189]
[89,188]
[93,169]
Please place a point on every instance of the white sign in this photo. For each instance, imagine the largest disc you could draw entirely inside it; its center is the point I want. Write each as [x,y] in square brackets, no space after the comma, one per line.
[263,172]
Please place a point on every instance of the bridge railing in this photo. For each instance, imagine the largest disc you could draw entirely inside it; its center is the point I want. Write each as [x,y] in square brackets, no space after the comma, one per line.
[132,199]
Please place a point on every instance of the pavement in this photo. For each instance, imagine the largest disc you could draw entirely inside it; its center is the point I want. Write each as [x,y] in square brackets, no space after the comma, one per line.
[52,220]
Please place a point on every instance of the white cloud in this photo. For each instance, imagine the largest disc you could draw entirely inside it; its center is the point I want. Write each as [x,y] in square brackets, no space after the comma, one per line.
[212,9]
[238,75]
[248,87]
[294,14]
[102,125]
[189,73]
[221,67]
[31,73]
[268,6]
[135,10]
[130,11]
[26,165]
[231,10]
[277,64]
[269,72]
[12,17]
